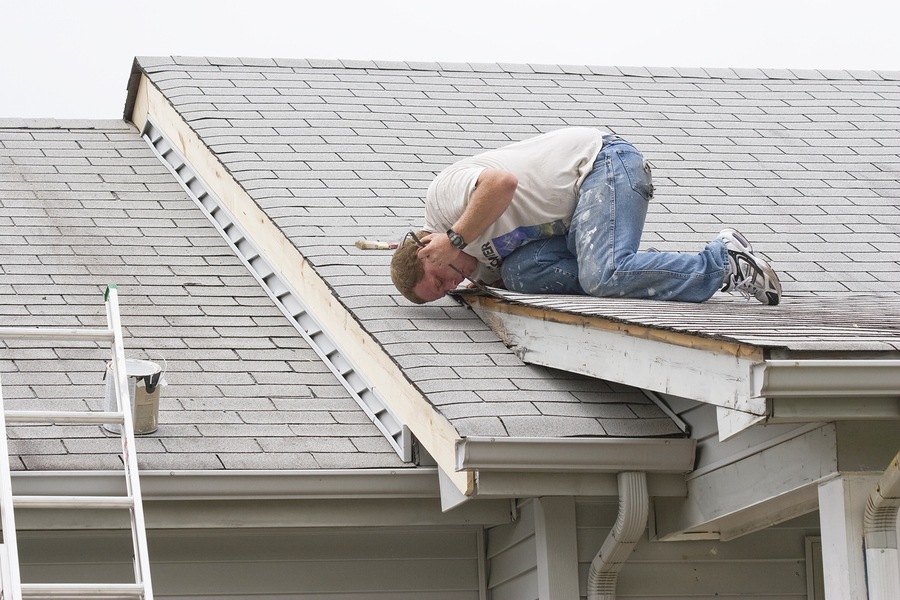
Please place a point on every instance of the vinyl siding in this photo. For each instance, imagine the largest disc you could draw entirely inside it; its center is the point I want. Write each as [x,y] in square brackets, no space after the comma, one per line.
[769,564]
[358,563]
[512,558]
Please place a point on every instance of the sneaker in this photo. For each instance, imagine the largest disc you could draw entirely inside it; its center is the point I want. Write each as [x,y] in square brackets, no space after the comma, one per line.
[747,273]
[735,240]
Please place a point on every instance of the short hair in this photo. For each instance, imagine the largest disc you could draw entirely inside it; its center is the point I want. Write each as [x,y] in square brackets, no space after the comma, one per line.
[406,268]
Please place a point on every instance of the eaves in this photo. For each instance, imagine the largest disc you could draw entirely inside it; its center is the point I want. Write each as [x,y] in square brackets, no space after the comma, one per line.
[836,367]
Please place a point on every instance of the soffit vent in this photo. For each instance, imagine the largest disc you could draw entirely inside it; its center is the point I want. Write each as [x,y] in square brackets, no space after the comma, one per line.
[288,301]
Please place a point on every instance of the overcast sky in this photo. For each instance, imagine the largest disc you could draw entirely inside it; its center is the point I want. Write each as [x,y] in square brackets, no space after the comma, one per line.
[71,58]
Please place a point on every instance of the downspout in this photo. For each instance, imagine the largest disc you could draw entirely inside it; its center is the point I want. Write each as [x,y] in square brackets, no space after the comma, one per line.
[880,527]
[634,506]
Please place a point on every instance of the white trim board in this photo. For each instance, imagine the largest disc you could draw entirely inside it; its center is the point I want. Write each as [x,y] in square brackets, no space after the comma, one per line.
[744,384]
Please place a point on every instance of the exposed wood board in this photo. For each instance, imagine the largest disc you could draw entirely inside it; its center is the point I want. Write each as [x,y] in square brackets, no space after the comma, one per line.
[753,493]
[807,324]
[429,427]
[711,371]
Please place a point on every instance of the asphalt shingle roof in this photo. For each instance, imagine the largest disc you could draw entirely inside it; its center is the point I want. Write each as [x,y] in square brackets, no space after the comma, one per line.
[86,203]
[335,153]
[804,163]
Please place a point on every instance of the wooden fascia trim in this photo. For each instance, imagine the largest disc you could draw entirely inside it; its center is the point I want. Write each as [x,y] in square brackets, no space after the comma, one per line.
[718,372]
[431,428]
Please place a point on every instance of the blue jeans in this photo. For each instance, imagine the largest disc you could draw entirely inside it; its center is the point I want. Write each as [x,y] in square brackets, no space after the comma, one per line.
[599,255]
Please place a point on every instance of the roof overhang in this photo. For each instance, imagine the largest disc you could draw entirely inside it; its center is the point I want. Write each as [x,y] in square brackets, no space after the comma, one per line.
[742,380]
[241,498]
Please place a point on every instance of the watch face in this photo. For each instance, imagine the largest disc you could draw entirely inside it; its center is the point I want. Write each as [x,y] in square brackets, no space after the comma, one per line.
[456,240]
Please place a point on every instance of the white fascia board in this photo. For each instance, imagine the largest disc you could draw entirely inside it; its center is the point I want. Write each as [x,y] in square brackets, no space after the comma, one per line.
[712,371]
[507,484]
[587,455]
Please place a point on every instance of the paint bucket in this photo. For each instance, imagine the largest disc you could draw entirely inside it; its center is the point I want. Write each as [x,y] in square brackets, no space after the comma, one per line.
[144,383]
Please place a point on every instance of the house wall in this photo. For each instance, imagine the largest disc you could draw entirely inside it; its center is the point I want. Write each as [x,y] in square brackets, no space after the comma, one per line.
[512,558]
[276,564]
[769,563]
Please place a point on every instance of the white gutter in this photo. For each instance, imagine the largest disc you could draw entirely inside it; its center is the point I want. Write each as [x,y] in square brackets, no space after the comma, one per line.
[882,557]
[826,378]
[634,507]
[419,482]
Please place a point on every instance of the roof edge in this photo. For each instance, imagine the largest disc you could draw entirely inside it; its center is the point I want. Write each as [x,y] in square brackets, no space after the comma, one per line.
[419,482]
[131,90]
[527,68]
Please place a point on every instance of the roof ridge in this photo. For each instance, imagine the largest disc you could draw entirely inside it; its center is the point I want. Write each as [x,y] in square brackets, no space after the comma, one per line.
[70,124]
[535,68]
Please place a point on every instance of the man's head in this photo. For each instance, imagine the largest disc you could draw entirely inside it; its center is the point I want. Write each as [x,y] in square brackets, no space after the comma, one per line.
[406,268]
[420,281]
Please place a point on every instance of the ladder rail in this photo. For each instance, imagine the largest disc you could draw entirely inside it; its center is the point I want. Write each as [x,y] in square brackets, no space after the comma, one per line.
[12,588]
[132,483]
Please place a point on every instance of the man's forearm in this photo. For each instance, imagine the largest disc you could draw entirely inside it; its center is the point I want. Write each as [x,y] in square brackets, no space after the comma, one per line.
[492,196]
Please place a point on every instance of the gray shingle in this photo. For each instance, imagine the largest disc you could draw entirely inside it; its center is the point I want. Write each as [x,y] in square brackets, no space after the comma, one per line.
[104,209]
[729,146]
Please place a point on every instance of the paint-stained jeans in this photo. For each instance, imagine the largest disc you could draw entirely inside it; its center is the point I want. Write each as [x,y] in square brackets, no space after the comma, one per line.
[599,254]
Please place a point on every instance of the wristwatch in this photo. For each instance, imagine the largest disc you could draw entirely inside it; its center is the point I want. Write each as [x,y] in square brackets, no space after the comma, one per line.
[456,240]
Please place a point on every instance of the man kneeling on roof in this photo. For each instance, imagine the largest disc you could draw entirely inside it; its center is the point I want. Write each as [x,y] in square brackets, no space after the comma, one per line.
[563,213]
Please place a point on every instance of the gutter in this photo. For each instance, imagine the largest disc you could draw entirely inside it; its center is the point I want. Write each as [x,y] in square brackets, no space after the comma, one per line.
[419,482]
[880,528]
[826,378]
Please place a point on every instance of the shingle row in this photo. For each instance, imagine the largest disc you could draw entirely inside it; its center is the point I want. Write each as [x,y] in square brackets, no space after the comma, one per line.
[86,204]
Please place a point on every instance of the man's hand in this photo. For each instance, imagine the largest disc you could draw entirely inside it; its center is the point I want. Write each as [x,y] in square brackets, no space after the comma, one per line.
[438,250]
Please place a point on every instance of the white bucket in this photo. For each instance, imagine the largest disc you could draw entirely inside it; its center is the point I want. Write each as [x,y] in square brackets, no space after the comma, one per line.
[144,383]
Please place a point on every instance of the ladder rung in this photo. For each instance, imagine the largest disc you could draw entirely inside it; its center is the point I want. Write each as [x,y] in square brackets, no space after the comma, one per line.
[81,417]
[72,501]
[49,333]
[82,590]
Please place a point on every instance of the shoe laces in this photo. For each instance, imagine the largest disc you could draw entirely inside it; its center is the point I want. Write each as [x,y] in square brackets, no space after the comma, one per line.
[744,276]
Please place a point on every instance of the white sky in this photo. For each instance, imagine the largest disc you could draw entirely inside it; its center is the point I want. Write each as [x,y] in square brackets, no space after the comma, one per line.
[72,58]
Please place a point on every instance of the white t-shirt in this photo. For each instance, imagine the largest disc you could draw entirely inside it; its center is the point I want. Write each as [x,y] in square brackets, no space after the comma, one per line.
[549,169]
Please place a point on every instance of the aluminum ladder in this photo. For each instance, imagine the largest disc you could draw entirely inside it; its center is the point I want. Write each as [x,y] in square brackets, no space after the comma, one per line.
[12,588]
